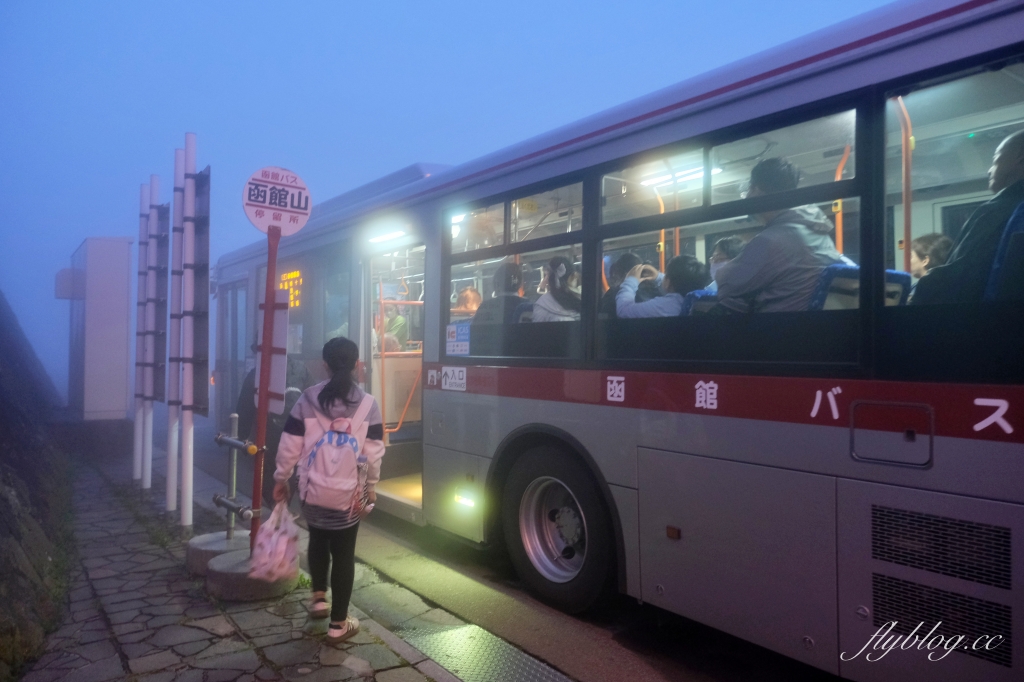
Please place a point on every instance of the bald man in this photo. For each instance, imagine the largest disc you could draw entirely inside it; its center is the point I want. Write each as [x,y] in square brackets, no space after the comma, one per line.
[964,276]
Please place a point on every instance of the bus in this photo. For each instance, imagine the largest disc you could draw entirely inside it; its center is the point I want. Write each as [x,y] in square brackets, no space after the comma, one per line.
[822,481]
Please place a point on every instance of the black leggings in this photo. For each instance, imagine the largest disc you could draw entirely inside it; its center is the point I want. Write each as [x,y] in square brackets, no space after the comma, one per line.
[341,546]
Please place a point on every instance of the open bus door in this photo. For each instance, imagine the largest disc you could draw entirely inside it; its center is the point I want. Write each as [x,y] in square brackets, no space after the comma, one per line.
[393,358]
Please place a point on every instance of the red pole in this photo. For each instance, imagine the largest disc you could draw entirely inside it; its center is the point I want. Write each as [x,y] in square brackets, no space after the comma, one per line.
[262,406]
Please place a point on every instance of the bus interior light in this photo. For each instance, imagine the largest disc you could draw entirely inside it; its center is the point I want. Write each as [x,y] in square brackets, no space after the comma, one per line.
[458,218]
[387,237]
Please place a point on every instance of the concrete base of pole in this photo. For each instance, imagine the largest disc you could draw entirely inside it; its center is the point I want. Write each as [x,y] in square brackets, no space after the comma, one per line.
[202,548]
[227,579]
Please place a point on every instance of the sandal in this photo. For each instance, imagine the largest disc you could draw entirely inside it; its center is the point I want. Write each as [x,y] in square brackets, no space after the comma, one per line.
[319,608]
[339,632]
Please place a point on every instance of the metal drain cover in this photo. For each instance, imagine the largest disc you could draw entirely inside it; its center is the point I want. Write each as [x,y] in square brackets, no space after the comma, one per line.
[475,655]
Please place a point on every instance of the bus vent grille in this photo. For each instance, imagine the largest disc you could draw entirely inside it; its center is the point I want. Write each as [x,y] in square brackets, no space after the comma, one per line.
[968,550]
[908,604]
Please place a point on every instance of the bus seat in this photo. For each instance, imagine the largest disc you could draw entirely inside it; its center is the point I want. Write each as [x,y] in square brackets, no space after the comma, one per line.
[1006,281]
[838,288]
[697,302]
[523,313]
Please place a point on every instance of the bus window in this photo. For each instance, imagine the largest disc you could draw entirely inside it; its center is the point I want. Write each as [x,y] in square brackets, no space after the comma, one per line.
[951,228]
[477,228]
[668,184]
[542,215]
[823,150]
[336,300]
[521,312]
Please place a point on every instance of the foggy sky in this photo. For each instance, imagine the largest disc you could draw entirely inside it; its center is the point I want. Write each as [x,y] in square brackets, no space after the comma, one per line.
[96,96]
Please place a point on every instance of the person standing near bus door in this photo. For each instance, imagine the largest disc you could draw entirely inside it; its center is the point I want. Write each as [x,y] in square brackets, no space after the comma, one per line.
[332,531]
[561,303]
[965,274]
[779,268]
[396,325]
[683,274]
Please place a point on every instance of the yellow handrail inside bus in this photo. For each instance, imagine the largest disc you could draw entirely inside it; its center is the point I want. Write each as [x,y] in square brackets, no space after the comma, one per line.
[837,206]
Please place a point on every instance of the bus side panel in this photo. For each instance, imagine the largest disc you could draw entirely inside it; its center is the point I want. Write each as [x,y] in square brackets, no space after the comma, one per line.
[747,549]
[453,491]
[916,557]
[627,502]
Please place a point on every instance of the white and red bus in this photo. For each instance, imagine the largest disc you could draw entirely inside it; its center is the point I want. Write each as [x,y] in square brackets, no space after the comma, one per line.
[799,479]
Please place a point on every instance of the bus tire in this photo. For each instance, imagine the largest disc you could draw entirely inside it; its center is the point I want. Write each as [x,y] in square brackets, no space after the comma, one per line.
[557,529]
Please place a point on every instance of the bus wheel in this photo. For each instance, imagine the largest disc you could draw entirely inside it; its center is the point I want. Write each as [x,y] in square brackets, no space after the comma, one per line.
[557,529]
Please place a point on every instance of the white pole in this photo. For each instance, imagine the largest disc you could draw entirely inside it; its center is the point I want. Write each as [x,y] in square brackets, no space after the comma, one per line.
[174,347]
[150,368]
[140,329]
[188,295]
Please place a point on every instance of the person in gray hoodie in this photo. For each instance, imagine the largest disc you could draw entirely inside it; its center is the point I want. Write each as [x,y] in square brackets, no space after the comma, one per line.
[779,268]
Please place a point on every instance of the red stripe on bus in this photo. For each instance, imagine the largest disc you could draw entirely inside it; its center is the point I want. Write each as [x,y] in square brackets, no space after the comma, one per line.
[725,89]
[781,399]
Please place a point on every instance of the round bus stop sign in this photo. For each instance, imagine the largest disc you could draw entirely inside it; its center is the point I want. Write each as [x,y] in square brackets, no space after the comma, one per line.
[277,196]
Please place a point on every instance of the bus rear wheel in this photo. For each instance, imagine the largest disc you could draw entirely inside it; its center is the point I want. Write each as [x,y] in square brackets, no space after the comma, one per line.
[557,529]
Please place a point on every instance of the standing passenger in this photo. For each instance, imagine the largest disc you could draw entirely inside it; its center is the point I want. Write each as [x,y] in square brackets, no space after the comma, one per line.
[778,269]
[332,532]
[560,303]
[508,278]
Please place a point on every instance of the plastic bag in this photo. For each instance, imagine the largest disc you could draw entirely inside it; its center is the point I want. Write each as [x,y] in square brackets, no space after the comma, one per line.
[276,553]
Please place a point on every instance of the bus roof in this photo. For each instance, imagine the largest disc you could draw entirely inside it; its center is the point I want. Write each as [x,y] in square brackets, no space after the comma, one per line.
[856,39]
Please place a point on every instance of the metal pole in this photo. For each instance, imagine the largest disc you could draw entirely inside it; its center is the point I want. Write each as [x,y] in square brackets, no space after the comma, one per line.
[188,293]
[263,404]
[150,338]
[233,474]
[174,347]
[140,329]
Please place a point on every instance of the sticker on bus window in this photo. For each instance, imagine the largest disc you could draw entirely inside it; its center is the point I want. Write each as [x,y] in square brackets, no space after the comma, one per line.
[458,339]
[453,378]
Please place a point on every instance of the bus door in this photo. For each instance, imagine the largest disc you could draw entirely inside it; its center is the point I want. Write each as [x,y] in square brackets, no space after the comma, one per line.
[393,360]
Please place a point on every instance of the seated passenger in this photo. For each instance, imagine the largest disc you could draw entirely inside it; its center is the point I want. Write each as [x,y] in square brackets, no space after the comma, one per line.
[508,277]
[561,303]
[964,276]
[396,325]
[778,269]
[647,290]
[683,274]
[726,249]
[927,252]
[466,304]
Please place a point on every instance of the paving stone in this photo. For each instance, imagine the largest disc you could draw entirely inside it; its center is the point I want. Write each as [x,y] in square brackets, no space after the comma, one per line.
[359,666]
[160,621]
[191,648]
[327,674]
[266,673]
[85,613]
[243,660]
[43,675]
[167,610]
[157,661]
[169,635]
[270,640]
[100,671]
[389,604]
[401,675]
[189,676]
[94,651]
[292,653]
[225,646]
[165,676]
[218,625]
[137,650]
[377,655]
[222,676]
[289,609]
[122,617]
[201,611]
[252,620]
[133,637]
[125,606]
[90,636]
[125,628]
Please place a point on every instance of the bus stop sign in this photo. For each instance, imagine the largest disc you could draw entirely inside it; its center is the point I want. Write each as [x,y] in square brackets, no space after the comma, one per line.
[277,196]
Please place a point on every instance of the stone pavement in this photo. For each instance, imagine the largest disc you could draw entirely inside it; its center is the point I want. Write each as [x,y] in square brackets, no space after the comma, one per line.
[135,614]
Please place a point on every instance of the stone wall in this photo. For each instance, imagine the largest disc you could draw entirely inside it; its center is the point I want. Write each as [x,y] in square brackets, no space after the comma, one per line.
[35,503]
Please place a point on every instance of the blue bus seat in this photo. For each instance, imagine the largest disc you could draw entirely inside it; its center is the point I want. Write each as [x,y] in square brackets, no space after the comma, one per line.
[697,302]
[1006,279]
[523,313]
[838,288]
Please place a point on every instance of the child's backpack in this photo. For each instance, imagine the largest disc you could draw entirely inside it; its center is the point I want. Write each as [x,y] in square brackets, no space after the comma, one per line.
[333,475]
